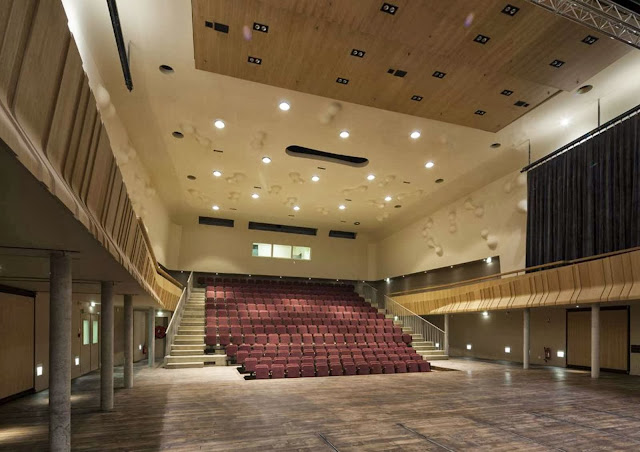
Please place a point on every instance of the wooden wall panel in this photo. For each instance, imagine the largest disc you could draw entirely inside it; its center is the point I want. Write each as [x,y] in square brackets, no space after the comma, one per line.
[66,109]
[15,34]
[77,131]
[614,339]
[17,344]
[86,149]
[579,338]
[41,71]
[97,176]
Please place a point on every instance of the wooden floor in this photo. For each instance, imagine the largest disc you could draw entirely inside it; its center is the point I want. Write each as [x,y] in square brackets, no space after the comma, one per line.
[480,407]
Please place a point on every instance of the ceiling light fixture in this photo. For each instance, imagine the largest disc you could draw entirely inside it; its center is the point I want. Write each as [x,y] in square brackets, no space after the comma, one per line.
[166,69]
[217,173]
[388,198]
[296,208]
[284,106]
[177,134]
[344,134]
[219,123]
[255,196]
[315,178]
[584,89]
[371,177]
[495,145]
[216,208]
[266,159]
[564,122]
[415,135]
[429,165]
[342,207]
[488,260]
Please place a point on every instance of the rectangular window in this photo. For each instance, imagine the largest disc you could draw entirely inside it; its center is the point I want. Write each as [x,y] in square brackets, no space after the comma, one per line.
[261,250]
[302,253]
[282,251]
[95,331]
[85,332]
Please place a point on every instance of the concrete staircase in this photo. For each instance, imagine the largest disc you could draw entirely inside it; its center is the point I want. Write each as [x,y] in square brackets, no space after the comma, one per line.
[426,349]
[187,350]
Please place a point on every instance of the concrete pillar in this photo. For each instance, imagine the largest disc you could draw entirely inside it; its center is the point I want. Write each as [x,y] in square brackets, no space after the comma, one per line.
[128,341]
[446,334]
[60,353]
[595,340]
[106,346]
[151,341]
[526,336]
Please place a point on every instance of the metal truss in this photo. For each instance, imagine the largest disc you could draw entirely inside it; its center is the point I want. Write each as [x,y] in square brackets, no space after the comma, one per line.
[602,15]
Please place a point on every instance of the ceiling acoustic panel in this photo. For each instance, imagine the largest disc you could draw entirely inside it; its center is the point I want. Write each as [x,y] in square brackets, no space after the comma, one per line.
[309,46]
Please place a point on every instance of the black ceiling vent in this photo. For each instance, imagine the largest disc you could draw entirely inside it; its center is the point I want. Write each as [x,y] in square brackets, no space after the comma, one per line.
[209,221]
[282,228]
[301,151]
[342,234]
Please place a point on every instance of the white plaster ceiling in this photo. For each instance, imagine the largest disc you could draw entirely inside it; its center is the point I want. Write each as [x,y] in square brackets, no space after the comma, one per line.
[160,32]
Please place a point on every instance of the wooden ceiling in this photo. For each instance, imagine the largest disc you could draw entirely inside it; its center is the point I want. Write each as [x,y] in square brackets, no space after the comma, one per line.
[309,43]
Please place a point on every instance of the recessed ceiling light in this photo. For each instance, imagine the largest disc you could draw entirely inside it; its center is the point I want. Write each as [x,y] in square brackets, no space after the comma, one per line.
[217,173]
[371,177]
[357,223]
[255,196]
[415,135]
[495,145]
[191,177]
[342,207]
[344,134]
[584,89]
[166,69]
[564,122]
[219,123]
[296,208]
[266,159]
[315,178]
[388,198]
[429,165]
[284,106]
[177,134]
[439,181]
[216,208]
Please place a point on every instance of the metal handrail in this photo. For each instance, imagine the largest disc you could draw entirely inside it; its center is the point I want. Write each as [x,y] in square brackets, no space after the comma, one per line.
[176,318]
[418,324]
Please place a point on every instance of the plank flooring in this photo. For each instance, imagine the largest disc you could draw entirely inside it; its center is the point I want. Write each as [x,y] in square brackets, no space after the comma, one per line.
[481,407]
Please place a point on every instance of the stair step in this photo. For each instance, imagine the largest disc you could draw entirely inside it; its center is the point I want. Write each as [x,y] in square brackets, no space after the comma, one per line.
[187,365]
[187,346]
[191,329]
[196,352]
[423,348]
[432,353]
[382,311]
[388,316]
[218,360]
[406,329]
[435,357]
[416,336]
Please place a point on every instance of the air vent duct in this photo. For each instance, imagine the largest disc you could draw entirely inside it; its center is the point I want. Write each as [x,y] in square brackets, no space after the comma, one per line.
[308,153]
[282,228]
[209,221]
[342,234]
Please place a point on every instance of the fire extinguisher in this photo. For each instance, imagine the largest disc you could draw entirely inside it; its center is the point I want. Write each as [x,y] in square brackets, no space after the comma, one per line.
[144,349]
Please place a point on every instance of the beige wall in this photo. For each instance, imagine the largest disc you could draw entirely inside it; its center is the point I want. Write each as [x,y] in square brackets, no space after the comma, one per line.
[408,251]
[228,250]
[490,335]
[16,344]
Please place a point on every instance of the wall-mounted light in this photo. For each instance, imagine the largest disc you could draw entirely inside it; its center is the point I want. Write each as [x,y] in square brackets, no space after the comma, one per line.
[159,314]
[437,344]
[388,279]
[77,360]
[507,349]
[488,260]
[140,347]
[39,369]
[485,314]
[93,303]
[468,346]
[395,318]
[560,354]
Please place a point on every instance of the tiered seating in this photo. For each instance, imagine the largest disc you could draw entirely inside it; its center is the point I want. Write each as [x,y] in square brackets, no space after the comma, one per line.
[306,330]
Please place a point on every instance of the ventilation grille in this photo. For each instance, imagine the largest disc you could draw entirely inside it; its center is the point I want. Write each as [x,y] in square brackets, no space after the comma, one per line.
[215,222]
[282,228]
[301,151]
[342,234]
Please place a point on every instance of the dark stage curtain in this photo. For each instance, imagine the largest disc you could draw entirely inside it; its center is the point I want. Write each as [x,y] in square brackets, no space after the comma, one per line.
[586,201]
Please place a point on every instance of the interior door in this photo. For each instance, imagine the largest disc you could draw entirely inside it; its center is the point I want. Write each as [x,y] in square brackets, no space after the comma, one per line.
[614,338]
[95,341]
[85,351]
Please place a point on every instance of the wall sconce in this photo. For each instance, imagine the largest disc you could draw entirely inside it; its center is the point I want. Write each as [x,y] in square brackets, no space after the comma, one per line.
[560,354]
[507,349]
[39,370]
[468,346]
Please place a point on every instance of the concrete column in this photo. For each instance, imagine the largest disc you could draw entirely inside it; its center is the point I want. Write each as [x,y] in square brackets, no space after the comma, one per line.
[106,346]
[446,334]
[151,346]
[60,353]
[128,341]
[526,336]
[595,340]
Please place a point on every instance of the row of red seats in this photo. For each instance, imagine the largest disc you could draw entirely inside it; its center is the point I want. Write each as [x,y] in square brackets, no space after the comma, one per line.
[295,315]
[297,321]
[291,307]
[303,329]
[285,301]
[225,281]
[212,338]
[328,349]
[370,353]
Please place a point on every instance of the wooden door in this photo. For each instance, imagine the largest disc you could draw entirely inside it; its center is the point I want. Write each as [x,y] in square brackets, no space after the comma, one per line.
[614,338]
[85,351]
[16,344]
[95,341]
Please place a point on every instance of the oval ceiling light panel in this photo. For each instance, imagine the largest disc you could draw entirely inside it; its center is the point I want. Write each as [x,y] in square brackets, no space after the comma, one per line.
[284,106]
[219,124]
[344,134]
[301,151]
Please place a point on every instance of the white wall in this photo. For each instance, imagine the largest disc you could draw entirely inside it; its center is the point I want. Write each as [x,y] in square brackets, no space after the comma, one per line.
[456,229]
[228,250]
